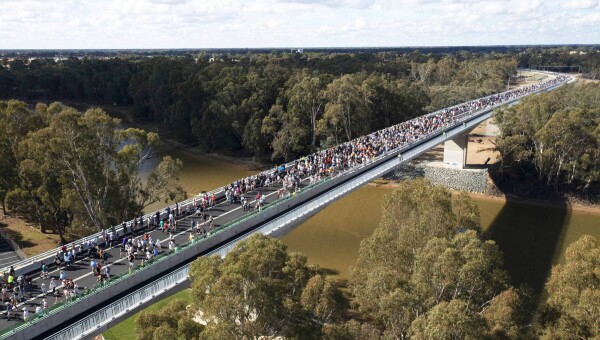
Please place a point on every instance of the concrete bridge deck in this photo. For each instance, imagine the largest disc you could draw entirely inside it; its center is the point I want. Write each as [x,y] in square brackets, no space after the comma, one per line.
[223,214]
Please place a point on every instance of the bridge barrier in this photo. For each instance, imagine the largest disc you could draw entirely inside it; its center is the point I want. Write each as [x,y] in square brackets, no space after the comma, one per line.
[341,186]
[32,264]
[278,215]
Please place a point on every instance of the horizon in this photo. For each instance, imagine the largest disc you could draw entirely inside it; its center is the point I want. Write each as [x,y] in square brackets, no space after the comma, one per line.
[297,47]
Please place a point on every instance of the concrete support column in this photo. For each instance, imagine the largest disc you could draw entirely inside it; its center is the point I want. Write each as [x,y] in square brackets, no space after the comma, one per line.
[455,150]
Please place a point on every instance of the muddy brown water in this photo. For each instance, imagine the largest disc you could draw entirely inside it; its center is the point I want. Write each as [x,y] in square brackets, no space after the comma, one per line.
[535,236]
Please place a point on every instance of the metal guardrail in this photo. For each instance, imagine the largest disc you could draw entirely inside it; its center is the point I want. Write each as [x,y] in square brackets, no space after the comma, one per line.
[98,319]
[95,321]
[81,242]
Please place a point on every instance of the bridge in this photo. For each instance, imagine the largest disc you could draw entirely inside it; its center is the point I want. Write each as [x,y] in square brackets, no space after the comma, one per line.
[100,302]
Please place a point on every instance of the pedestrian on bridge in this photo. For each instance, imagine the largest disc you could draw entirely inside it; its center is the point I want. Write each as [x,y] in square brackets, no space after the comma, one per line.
[53,285]
[93,265]
[9,308]
[62,276]
[131,262]
[44,271]
[25,314]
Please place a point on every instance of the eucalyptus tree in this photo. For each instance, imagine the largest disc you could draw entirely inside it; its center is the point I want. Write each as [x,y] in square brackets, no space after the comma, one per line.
[259,290]
[426,269]
[81,166]
[573,304]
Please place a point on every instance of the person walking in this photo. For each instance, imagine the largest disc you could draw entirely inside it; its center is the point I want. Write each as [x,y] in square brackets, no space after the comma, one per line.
[9,308]
[25,314]
[53,285]
[131,262]
[44,271]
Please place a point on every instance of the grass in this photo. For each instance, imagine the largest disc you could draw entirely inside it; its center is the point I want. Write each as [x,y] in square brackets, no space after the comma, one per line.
[31,240]
[127,330]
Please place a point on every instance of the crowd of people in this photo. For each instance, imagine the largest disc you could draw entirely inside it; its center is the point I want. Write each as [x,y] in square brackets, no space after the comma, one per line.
[311,168]
[325,163]
[362,150]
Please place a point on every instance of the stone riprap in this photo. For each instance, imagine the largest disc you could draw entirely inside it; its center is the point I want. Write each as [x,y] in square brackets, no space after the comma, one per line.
[471,180]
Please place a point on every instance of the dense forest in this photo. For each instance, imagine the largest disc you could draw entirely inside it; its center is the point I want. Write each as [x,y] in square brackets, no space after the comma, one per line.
[278,105]
[552,141]
[275,106]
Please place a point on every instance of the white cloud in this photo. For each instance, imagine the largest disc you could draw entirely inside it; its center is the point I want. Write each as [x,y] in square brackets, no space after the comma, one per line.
[334,3]
[580,4]
[282,23]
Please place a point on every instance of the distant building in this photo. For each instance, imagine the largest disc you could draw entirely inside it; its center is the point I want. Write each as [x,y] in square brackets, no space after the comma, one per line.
[297,50]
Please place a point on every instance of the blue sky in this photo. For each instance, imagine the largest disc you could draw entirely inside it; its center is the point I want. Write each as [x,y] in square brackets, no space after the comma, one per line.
[294,23]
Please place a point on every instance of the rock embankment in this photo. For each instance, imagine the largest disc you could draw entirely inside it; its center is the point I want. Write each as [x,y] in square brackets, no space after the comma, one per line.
[470,180]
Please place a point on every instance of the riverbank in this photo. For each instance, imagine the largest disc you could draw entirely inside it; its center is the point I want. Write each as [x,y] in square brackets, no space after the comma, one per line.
[242,162]
[167,140]
[500,198]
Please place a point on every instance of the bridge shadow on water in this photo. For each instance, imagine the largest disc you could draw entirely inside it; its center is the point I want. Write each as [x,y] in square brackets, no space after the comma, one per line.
[530,236]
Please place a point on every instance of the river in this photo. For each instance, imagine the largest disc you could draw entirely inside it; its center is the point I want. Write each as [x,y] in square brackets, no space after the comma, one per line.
[532,236]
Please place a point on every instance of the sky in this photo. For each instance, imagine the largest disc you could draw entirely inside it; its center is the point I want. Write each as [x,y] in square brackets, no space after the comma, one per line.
[99,24]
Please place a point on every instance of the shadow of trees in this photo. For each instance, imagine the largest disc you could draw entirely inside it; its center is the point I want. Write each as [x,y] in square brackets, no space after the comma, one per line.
[530,235]
[16,236]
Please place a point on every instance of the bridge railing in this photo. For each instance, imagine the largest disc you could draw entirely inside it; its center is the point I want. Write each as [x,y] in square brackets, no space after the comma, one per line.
[57,308]
[100,235]
[142,295]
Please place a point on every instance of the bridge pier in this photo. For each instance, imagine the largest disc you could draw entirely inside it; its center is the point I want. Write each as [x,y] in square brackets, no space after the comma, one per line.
[455,150]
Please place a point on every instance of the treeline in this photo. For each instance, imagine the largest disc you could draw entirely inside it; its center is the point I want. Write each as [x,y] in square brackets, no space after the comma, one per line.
[274,106]
[427,272]
[77,172]
[554,138]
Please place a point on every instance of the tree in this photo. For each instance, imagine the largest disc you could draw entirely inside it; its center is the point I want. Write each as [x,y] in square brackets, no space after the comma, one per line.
[322,297]
[573,288]
[259,289]
[467,212]
[306,102]
[66,167]
[350,330]
[448,320]
[346,109]
[290,136]
[169,322]
[508,313]
[16,121]
[556,134]
[427,260]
